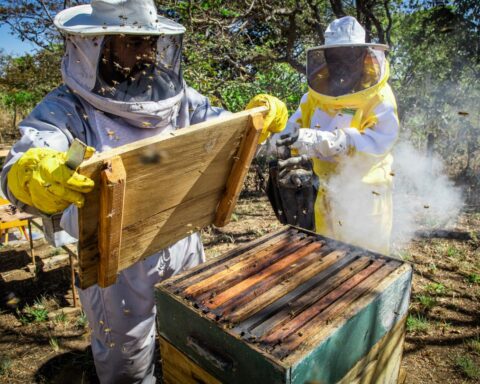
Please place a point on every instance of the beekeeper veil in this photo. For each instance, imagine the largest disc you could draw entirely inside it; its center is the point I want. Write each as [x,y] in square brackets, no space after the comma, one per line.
[124,59]
[345,64]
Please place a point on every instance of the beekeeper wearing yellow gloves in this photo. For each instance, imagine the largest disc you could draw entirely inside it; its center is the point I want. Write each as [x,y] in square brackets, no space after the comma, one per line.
[122,82]
[347,124]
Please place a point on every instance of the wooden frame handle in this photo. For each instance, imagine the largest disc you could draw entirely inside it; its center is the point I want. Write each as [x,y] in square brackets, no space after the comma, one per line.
[239,171]
[112,199]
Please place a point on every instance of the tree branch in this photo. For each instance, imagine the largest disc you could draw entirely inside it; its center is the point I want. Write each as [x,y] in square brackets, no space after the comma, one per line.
[337,8]
[386,4]
[318,25]
[365,8]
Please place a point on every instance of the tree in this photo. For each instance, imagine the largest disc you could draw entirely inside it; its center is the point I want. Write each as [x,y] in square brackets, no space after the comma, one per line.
[25,80]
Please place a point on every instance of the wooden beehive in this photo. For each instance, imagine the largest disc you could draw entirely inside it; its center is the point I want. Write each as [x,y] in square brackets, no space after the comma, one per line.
[291,307]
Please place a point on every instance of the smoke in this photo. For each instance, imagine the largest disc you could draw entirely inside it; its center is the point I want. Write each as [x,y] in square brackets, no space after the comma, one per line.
[423,198]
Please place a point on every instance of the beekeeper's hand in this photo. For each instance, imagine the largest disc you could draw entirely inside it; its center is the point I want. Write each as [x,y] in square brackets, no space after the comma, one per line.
[295,172]
[276,117]
[315,143]
[41,179]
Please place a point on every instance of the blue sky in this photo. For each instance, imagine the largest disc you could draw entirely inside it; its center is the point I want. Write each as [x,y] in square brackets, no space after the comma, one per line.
[13,45]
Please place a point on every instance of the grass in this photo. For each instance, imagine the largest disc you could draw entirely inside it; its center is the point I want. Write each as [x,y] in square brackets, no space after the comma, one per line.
[404,255]
[436,288]
[473,278]
[61,318]
[5,365]
[82,320]
[432,268]
[37,313]
[56,252]
[474,344]
[417,323]
[427,302]
[53,341]
[454,253]
[468,367]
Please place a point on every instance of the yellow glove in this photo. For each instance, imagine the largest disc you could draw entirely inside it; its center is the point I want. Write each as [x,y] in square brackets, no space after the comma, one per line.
[277,115]
[41,179]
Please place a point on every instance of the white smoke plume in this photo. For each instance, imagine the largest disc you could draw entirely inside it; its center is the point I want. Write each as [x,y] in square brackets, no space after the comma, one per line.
[423,198]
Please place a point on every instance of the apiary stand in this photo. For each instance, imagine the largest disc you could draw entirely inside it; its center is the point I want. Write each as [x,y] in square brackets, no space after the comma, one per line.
[291,307]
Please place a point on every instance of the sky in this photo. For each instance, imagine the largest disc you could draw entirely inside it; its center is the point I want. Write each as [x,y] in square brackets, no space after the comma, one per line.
[12,44]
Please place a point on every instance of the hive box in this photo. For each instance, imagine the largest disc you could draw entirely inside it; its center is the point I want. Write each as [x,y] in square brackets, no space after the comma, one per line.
[291,307]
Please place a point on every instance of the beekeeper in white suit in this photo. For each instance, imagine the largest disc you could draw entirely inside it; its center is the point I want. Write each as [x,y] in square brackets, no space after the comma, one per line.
[346,125]
[123,82]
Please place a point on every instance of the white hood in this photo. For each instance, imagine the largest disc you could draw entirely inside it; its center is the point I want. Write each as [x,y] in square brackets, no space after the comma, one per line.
[80,74]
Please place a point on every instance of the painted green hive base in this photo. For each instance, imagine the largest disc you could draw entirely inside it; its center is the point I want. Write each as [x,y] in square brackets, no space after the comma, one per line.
[345,338]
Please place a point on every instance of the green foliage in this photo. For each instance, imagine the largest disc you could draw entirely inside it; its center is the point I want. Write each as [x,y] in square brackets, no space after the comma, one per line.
[53,341]
[468,367]
[432,268]
[56,252]
[435,73]
[61,317]
[37,313]
[427,302]
[404,255]
[5,365]
[82,321]
[436,288]
[281,81]
[235,50]
[454,253]
[473,278]
[474,344]
[417,323]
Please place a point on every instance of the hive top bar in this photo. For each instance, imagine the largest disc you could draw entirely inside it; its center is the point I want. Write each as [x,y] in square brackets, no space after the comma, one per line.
[285,291]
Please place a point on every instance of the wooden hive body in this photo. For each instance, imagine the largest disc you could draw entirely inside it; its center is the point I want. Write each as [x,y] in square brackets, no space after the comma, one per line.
[291,307]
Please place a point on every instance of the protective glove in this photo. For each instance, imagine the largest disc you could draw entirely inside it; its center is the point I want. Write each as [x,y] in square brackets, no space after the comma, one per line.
[277,115]
[41,179]
[295,172]
[315,143]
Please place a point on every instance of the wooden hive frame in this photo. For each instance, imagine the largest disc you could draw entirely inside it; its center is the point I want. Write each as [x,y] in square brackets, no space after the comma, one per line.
[154,192]
[287,298]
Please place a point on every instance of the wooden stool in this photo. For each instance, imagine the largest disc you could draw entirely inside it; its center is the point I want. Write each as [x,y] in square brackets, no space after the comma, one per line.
[10,217]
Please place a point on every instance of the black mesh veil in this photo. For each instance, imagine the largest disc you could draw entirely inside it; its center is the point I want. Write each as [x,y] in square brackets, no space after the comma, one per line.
[135,68]
[342,70]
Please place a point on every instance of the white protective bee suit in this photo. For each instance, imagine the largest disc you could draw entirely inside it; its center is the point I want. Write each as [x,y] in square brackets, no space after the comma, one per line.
[153,101]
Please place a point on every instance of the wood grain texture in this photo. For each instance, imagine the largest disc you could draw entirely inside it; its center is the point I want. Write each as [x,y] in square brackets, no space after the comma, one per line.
[274,269]
[279,333]
[300,303]
[178,368]
[281,287]
[174,184]
[317,313]
[343,310]
[231,274]
[112,198]
[238,255]
[314,327]
[239,172]
[382,363]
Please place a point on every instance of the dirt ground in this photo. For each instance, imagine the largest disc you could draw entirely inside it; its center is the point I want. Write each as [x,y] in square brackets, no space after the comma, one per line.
[44,340]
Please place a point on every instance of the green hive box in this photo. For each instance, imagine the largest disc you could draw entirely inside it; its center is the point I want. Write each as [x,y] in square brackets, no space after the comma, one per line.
[291,307]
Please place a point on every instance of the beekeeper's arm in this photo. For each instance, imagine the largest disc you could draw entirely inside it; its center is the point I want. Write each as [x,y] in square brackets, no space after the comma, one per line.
[35,177]
[377,138]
